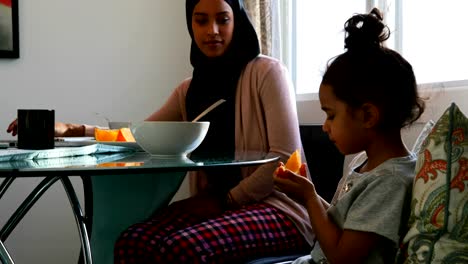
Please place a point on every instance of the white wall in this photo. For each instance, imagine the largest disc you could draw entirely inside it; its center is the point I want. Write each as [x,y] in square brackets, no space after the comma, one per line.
[118,58]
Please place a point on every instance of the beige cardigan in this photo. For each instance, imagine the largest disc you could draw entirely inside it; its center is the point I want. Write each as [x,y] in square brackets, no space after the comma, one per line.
[266,120]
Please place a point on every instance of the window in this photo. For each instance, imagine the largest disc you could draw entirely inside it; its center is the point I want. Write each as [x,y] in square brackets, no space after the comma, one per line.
[428,33]
[434,39]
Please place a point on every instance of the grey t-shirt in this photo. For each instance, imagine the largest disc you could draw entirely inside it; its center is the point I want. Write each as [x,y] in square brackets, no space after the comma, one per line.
[376,201]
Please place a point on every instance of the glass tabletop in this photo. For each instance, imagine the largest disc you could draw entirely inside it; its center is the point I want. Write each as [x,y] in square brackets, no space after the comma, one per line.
[114,193]
[127,162]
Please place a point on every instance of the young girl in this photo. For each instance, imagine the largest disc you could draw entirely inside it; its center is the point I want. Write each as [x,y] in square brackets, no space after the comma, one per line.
[368,94]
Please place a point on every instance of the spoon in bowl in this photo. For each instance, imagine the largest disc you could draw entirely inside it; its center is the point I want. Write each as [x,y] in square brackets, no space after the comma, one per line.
[207,110]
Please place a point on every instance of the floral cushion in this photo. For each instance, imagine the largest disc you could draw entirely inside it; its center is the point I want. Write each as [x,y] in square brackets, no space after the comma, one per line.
[438,225]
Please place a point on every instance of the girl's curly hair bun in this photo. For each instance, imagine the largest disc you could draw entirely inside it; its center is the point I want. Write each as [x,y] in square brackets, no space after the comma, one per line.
[364,32]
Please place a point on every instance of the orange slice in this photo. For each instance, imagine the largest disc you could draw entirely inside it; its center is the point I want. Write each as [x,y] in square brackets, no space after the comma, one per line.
[125,135]
[106,134]
[122,135]
[294,162]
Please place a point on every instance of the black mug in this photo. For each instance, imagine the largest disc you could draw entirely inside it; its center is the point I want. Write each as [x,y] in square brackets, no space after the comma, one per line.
[36,129]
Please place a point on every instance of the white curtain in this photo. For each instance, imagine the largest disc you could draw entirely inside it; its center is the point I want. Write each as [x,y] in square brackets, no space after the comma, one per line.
[271,21]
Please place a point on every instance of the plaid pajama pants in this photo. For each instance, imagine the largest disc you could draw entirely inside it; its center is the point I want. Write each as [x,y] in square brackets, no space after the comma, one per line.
[235,236]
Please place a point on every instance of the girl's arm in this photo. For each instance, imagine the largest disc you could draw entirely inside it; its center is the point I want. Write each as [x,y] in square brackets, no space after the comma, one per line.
[339,246]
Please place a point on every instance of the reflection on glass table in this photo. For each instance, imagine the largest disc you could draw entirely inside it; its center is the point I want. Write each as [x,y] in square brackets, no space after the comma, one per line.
[119,189]
[125,162]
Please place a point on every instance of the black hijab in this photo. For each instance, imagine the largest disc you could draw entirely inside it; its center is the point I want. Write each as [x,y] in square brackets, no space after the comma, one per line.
[217,78]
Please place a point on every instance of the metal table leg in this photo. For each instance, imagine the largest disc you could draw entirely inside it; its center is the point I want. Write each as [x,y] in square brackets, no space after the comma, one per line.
[5,184]
[30,200]
[79,218]
[26,205]
[5,257]
[20,212]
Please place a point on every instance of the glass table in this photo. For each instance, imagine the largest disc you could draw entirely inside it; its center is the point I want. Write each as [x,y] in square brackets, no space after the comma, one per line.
[119,189]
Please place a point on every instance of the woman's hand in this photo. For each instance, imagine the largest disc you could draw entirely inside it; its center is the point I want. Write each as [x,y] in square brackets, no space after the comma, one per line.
[69,130]
[296,186]
[61,129]
[13,127]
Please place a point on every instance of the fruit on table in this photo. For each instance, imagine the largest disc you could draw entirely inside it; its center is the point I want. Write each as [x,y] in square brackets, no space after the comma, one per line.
[125,135]
[122,135]
[106,134]
[293,164]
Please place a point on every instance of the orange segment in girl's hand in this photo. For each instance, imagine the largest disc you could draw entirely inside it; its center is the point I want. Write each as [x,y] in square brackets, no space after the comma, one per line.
[294,162]
[106,134]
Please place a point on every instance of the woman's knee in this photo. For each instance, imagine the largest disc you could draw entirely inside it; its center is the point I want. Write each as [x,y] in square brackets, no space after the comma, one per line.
[134,246]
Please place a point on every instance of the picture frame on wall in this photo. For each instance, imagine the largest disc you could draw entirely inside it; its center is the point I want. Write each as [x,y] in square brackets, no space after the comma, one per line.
[9,31]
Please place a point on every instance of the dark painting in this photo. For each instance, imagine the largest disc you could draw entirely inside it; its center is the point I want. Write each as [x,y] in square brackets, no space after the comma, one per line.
[9,39]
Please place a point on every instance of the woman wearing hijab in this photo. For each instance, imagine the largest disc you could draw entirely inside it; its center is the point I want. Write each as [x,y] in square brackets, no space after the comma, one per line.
[233,215]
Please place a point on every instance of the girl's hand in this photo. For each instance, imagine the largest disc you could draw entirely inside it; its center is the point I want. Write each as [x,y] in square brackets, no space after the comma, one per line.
[296,186]
[281,170]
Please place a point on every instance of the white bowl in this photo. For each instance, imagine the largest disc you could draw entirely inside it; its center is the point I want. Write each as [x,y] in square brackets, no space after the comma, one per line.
[169,139]
[118,124]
